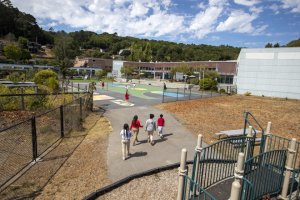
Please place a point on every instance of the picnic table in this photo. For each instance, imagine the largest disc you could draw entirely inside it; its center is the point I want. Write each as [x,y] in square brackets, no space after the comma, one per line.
[234,133]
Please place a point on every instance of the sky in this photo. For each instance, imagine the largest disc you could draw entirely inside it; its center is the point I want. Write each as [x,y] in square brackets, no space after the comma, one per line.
[239,23]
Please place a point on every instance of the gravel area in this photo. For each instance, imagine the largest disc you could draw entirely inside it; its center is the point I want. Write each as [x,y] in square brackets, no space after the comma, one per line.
[160,186]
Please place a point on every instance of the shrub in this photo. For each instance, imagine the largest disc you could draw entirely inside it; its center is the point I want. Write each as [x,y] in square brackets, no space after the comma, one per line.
[247,94]
[47,78]
[208,84]
[222,91]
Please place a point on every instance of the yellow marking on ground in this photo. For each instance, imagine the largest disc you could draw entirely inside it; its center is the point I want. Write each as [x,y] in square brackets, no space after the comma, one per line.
[102,97]
[122,103]
[140,89]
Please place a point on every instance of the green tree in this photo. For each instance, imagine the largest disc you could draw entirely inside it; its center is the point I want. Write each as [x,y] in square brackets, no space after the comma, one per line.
[127,71]
[186,70]
[269,45]
[294,43]
[276,45]
[64,51]
[208,84]
[22,42]
[47,78]
[12,51]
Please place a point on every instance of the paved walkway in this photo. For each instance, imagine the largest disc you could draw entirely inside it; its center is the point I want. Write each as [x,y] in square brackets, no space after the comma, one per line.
[145,156]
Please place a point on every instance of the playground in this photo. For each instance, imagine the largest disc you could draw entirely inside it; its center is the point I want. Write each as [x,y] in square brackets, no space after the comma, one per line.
[185,120]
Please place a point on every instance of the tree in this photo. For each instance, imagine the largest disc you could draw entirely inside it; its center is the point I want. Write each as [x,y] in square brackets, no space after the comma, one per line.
[269,45]
[64,51]
[183,69]
[127,71]
[294,43]
[276,45]
[47,78]
[22,42]
[11,51]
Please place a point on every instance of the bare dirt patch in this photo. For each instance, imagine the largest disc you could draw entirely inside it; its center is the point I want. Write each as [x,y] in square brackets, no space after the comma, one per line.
[210,116]
[74,169]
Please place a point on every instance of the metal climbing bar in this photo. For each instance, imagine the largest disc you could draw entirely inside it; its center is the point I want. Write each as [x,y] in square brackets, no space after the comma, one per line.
[250,120]
[217,161]
[265,172]
[198,193]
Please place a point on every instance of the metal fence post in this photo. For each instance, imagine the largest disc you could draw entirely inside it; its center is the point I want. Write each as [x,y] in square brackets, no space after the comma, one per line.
[22,99]
[238,176]
[72,85]
[62,128]
[190,94]
[80,109]
[182,172]
[177,94]
[289,168]
[163,96]
[34,138]
[267,136]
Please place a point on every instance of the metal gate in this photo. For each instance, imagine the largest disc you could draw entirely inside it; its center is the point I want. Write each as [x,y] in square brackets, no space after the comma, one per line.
[265,173]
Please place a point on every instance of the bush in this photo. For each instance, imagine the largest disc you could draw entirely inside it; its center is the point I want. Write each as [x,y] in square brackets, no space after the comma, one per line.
[15,77]
[47,78]
[247,94]
[222,91]
[194,81]
[208,84]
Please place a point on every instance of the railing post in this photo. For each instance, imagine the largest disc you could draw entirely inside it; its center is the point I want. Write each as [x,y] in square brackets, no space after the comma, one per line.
[34,139]
[177,94]
[267,136]
[289,169]
[198,150]
[182,171]
[190,94]
[163,96]
[248,143]
[62,128]
[236,186]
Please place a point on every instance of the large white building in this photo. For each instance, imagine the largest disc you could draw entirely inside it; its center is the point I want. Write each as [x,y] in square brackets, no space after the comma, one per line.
[273,72]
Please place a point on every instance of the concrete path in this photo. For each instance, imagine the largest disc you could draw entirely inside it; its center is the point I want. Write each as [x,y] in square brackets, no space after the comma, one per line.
[144,156]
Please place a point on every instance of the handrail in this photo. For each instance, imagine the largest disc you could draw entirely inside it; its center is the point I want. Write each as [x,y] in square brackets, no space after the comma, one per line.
[246,120]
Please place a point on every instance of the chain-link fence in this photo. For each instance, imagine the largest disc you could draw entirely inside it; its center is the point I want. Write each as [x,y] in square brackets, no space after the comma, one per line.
[15,149]
[179,94]
[24,142]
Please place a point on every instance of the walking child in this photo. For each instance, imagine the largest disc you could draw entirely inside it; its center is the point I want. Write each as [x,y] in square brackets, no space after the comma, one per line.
[125,135]
[150,127]
[126,96]
[160,125]
[102,85]
[135,126]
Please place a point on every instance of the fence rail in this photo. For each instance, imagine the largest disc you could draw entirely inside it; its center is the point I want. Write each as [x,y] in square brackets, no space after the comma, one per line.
[24,142]
[179,94]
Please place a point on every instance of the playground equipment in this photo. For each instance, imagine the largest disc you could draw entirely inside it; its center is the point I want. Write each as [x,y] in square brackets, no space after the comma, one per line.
[270,169]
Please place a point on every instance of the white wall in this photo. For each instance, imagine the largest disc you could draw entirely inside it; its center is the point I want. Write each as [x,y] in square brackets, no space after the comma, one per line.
[117,65]
[271,72]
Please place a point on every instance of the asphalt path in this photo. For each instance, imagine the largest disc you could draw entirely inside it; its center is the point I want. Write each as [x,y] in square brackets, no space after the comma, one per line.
[144,156]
